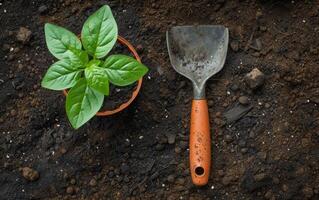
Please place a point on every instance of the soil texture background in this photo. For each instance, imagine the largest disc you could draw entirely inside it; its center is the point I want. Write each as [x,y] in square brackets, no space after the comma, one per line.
[265,131]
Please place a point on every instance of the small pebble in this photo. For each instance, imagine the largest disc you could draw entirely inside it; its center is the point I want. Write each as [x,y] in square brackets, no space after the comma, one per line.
[70,190]
[171,178]
[73,181]
[111,174]
[180,181]
[243,100]
[178,150]
[43,9]
[228,138]
[24,35]
[308,192]
[170,138]
[220,173]
[234,45]
[13,112]
[226,180]
[267,105]
[159,147]
[268,194]
[284,188]
[255,78]
[139,48]
[244,150]
[29,174]
[260,177]
[92,182]
[210,103]
[234,87]
[276,180]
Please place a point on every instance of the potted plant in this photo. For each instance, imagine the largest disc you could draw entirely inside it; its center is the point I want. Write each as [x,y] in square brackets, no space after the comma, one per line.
[84,71]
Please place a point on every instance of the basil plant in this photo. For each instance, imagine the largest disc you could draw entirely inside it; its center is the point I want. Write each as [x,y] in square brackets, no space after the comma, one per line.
[83,67]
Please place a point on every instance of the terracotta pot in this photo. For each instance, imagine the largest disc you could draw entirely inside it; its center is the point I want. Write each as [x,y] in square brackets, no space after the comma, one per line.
[135,92]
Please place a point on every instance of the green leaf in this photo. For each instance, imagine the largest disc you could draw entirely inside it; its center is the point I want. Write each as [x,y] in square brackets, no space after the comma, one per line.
[82,103]
[97,79]
[99,32]
[78,58]
[60,41]
[61,75]
[123,70]
[94,63]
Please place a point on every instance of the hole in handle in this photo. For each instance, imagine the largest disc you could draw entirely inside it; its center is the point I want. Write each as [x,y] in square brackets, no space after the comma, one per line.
[199,171]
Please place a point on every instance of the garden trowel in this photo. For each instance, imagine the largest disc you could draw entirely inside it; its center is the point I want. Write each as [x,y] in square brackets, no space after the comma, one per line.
[198,52]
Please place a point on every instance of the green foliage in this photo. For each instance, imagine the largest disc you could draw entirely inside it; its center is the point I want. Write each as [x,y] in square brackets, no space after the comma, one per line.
[99,33]
[123,70]
[82,103]
[61,42]
[97,79]
[61,75]
[80,70]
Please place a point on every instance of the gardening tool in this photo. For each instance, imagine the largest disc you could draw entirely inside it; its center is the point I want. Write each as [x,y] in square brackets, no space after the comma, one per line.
[198,52]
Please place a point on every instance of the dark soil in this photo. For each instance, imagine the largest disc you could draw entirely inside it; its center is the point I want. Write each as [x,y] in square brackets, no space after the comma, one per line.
[118,96]
[268,150]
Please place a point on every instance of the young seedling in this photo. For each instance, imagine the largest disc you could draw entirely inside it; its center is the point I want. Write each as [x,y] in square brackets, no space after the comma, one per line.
[83,67]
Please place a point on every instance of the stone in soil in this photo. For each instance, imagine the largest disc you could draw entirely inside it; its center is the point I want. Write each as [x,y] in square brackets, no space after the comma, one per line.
[284,188]
[234,87]
[262,155]
[178,150]
[255,78]
[307,191]
[243,100]
[29,174]
[268,194]
[244,150]
[42,9]
[73,181]
[220,173]
[260,177]
[139,48]
[267,105]
[228,138]
[252,183]
[226,180]
[92,182]
[180,181]
[170,138]
[256,45]
[70,190]
[234,45]
[24,35]
[159,147]
[171,178]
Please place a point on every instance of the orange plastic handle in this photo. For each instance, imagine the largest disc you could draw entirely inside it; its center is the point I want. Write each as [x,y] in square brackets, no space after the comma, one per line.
[199,143]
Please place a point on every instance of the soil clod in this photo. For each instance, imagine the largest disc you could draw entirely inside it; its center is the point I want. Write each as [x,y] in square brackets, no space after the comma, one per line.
[234,45]
[29,174]
[255,78]
[24,35]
